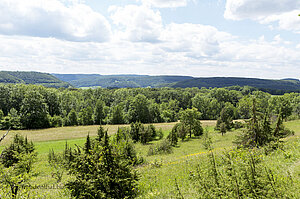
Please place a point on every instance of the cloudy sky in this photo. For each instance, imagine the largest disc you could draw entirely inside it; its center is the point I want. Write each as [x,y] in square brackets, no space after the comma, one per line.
[201,38]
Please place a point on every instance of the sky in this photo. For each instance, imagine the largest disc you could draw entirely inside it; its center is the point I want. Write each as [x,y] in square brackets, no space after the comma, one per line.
[200,38]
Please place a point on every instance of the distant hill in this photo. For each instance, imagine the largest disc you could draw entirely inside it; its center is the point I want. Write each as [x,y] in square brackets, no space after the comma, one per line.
[272,86]
[44,79]
[119,81]
[133,81]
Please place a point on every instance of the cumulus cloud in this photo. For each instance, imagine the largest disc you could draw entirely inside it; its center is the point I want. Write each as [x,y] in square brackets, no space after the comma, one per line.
[195,39]
[137,23]
[140,43]
[283,12]
[229,56]
[52,18]
[165,3]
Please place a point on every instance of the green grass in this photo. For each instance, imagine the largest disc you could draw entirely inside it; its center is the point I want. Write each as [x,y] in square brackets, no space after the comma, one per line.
[157,176]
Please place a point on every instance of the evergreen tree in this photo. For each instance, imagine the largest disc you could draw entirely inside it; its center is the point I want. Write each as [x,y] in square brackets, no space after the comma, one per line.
[72,118]
[99,114]
[110,177]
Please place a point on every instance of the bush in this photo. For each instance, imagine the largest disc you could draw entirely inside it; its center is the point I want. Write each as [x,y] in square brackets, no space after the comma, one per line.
[239,173]
[238,125]
[181,130]
[19,146]
[173,137]
[56,121]
[160,134]
[123,145]
[163,147]
[100,172]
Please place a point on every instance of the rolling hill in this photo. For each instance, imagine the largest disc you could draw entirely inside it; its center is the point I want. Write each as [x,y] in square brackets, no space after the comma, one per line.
[45,79]
[272,86]
[133,81]
[119,81]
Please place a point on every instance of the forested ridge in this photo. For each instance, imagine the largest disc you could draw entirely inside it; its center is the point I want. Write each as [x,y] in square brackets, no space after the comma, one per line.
[124,164]
[21,77]
[134,81]
[32,106]
[120,81]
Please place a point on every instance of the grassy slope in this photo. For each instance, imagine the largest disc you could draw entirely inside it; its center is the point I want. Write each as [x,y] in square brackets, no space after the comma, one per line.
[157,182]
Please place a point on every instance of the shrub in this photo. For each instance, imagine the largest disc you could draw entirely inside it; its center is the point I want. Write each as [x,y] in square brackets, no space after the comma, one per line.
[100,172]
[160,134]
[173,137]
[11,154]
[239,173]
[56,121]
[163,147]
[238,125]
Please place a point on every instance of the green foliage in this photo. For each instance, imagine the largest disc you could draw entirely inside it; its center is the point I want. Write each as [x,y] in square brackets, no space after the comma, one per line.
[12,120]
[259,131]
[99,114]
[179,130]
[139,132]
[282,105]
[173,135]
[16,165]
[30,106]
[100,133]
[123,145]
[44,79]
[116,115]
[135,131]
[271,86]
[190,118]
[133,81]
[57,162]
[226,117]
[72,118]
[238,174]
[12,153]
[101,173]
[119,81]
[139,110]
[1,114]
[56,121]
[33,111]
[163,147]
[86,116]
[223,128]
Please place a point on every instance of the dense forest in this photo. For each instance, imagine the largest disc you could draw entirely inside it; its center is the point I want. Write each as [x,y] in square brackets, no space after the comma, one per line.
[135,81]
[123,163]
[21,77]
[32,106]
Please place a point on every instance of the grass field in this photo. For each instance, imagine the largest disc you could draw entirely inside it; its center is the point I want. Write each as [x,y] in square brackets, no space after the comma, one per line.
[157,176]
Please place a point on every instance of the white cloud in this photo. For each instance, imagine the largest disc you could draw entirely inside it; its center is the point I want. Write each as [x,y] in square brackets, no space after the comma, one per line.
[139,44]
[224,56]
[286,21]
[194,39]
[137,23]
[255,9]
[52,18]
[165,3]
[284,12]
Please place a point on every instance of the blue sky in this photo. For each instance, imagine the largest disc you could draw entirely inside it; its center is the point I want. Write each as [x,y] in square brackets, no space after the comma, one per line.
[202,38]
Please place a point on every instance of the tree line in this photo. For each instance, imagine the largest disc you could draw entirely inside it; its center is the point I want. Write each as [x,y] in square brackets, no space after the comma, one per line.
[32,106]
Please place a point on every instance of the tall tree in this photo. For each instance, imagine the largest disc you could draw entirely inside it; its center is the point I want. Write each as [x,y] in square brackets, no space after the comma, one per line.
[139,109]
[99,114]
[34,113]
[190,118]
